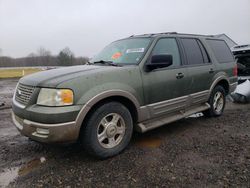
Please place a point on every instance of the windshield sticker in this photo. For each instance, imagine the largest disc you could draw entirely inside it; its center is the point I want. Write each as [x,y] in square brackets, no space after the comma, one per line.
[135,50]
[116,55]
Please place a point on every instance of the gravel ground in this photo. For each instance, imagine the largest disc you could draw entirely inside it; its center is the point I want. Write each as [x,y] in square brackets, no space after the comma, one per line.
[193,152]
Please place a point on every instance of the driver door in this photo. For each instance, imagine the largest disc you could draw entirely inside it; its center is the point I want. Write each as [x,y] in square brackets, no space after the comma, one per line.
[165,89]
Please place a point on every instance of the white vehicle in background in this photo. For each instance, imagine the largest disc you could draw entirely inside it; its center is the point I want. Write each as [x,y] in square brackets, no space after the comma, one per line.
[242,56]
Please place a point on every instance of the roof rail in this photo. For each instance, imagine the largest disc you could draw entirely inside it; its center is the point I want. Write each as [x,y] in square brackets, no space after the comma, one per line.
[169,33]
[152,34]
[195,34]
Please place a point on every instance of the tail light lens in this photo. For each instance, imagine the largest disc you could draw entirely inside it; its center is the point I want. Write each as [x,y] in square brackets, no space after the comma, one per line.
[235,71]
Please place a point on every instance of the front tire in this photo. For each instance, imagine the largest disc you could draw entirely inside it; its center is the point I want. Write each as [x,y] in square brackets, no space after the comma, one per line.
[217,102]
[108,130]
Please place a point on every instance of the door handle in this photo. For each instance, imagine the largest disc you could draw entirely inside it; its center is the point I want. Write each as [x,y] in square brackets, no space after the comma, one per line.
[211,71]
[179,75]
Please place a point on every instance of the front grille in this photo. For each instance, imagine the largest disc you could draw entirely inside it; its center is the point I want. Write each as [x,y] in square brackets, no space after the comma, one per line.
[24,93]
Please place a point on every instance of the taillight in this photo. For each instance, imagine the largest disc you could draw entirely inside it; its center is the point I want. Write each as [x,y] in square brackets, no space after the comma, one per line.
[235,70]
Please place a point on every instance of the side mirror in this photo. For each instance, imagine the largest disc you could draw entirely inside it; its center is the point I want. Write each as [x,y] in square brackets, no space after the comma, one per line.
[160,61]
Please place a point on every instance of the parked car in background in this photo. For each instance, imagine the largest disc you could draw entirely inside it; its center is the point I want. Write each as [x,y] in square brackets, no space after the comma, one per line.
[138,83]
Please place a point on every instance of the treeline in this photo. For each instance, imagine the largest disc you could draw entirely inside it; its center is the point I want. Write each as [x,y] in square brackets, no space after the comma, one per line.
[43,57]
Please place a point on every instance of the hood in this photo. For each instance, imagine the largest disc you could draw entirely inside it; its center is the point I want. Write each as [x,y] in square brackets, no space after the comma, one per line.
[51,78]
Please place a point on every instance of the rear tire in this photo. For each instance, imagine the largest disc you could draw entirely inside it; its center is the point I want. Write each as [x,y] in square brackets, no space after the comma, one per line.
[108,130]
[217,102]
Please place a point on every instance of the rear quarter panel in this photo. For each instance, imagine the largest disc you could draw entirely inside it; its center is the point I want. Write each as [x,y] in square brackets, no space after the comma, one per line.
[222,70]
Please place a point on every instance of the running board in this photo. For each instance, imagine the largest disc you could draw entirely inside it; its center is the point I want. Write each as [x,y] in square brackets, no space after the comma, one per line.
[158,122]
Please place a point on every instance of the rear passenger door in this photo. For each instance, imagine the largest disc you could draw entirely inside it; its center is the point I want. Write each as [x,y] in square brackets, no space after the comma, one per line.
[199,68]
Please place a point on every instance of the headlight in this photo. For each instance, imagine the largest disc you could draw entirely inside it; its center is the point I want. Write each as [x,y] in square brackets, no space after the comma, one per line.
[55,97]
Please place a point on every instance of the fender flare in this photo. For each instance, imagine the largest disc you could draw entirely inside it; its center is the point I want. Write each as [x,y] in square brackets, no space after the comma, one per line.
[111,93]
[216,81]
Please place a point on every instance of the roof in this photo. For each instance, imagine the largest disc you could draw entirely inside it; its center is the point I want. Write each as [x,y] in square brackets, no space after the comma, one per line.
[168,33]
[223,36]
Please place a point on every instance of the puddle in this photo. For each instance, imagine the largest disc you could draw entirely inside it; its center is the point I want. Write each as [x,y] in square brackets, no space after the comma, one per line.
[31,165]
[149,142]
[9,175]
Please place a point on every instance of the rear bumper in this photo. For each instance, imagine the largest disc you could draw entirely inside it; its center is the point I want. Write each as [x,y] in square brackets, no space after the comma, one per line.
[47,133]
[233,87]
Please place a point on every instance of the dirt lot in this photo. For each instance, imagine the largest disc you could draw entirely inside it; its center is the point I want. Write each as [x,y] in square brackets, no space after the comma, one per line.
[194,152]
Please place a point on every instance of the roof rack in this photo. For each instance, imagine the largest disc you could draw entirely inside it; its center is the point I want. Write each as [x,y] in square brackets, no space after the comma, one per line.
[152,34]
[196,35]
[169,33]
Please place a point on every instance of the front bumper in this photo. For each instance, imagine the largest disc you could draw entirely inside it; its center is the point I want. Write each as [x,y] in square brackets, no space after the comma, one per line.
[47,133]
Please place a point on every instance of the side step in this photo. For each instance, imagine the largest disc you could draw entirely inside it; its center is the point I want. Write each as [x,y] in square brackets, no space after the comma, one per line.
[158,122]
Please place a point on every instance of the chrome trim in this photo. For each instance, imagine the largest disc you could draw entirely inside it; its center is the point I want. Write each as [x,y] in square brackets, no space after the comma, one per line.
[199,97]
[17,104]
[23,93]
[223,77]
[160,121]
[42,125]
[60,132]
[233,86]
[144,112]
[17,124]
[85,109]
[45,125]
[14,101]
[167,106]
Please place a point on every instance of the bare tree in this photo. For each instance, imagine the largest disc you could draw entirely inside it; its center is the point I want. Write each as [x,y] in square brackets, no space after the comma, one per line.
[41,51]
[66,57]
[1,51]
[32,54]
[44,56]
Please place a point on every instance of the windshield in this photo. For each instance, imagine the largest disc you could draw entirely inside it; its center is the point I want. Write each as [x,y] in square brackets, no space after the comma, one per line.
[127,51]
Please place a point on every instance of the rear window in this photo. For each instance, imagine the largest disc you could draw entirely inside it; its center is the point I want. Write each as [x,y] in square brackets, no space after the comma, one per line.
[221,50]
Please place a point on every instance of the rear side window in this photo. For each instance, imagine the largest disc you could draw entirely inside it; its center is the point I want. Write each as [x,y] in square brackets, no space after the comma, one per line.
[221,50]
[193,51]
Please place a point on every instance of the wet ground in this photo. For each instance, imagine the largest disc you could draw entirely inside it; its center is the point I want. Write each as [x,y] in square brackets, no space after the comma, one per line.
[194,152]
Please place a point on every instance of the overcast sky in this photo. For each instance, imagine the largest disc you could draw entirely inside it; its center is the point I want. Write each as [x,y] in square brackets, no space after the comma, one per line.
[86,26]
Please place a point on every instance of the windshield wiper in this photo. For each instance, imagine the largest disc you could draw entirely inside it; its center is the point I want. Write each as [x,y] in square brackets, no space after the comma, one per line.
[107,63]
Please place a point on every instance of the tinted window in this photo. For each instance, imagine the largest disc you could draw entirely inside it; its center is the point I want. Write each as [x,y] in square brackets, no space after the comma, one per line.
[170,47]
[204,53]
[221,50]
[193,51]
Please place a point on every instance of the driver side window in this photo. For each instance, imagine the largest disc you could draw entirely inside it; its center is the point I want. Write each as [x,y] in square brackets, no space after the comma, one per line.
[168,46]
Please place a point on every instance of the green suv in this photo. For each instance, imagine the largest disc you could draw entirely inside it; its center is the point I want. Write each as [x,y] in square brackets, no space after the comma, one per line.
[138,83]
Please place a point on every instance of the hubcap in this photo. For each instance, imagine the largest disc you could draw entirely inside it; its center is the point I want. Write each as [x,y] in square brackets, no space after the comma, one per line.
[111,130]
[218,102]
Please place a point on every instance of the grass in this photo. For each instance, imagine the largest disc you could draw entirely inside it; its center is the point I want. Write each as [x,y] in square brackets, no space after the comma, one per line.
[17,72]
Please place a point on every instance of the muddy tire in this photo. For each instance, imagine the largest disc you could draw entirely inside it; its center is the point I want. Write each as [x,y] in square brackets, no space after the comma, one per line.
[217,102]
[108,130]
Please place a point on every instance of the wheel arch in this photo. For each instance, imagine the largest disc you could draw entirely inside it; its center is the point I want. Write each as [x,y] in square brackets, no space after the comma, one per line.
[125,98]
[222,81]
